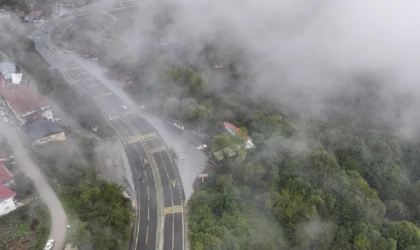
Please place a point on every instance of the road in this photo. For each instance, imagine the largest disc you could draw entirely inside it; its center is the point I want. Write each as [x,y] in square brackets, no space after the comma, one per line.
[58,216]
[159,222]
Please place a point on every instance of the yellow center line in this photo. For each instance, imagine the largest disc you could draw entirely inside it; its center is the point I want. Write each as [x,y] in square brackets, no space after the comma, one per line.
[172,199]
[150,157]
[148,136]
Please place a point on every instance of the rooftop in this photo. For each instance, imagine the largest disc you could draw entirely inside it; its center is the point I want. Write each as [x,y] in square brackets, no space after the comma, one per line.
[5,192]
[23,99]
[5,175]
[34,14]
[6,69]
[41,128]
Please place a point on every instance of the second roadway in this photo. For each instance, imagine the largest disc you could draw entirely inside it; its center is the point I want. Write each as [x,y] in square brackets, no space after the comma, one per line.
[159,192]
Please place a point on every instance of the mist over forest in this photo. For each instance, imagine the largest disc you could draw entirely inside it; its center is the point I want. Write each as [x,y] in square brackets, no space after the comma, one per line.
[314,59]
[327,90]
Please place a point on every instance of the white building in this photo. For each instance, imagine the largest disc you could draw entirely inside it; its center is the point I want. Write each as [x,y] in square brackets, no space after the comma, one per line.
[17,78]
[7,203]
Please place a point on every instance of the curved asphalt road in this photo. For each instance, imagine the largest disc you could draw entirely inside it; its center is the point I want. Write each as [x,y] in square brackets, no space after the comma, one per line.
[58,216]
[160,198]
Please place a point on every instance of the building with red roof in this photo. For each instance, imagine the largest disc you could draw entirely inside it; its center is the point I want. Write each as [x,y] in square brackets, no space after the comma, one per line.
[6,177]
[7,203]
[34,15]
[25,103]
[234,131]
[4,13]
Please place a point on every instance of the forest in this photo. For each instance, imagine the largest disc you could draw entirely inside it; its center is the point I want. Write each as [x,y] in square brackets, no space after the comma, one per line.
[99,214]
[312,185]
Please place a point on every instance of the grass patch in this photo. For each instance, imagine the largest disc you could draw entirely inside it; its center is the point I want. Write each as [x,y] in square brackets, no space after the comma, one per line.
[27,227]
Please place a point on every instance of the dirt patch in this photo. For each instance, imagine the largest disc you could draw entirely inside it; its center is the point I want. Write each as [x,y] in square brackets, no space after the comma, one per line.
[69,247]
[108,161]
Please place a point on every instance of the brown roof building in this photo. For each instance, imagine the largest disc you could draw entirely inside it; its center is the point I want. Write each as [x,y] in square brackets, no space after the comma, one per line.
[25,103]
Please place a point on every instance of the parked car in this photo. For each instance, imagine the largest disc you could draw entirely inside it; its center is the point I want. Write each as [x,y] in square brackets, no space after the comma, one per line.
[49,245]
[203,147]
[95,59]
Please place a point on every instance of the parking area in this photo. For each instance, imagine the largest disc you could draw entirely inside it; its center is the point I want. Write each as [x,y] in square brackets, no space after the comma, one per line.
[7,116]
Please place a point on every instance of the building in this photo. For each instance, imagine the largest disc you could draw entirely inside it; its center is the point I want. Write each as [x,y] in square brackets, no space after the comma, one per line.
[25,103]
[4,14]
[237,150]
[17,78]
[7,203]
[234,131]
[43,131]
[6,69]
[6,178]
[34,15]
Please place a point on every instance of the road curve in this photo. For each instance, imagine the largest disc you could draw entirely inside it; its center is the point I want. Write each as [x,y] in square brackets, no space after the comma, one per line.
[58,216]
[159,222]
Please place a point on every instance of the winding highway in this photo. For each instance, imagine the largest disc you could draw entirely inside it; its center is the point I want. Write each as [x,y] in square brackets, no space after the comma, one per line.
[159,221]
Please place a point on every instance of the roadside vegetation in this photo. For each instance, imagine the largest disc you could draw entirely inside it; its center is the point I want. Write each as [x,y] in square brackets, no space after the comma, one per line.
[310,185]
[99,215]
[27,227]
[316,185]
[335,184]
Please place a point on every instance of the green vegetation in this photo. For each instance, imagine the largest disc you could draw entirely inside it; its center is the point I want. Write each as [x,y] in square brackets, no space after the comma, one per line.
[27,227]
[99,212]
[312,186]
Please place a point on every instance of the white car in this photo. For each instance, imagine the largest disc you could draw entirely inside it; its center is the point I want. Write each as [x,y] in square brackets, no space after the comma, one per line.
[110,118]
[94,59]
[49,245]
[94,129]
[124,107]
[202,146]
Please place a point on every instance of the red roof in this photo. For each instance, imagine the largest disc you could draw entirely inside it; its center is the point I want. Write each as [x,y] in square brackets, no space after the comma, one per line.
[233,128]
[23,99]
[5,175]
[34,14]
[5,192]
[4,13]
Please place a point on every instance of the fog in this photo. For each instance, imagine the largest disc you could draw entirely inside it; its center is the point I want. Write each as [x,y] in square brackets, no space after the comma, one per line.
[315,58]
